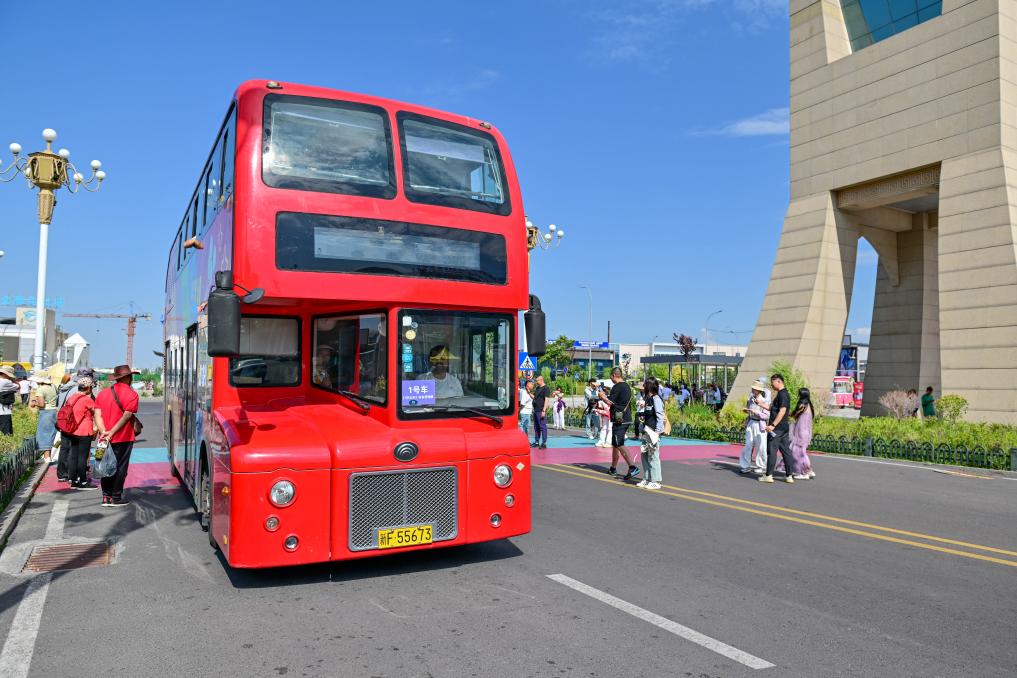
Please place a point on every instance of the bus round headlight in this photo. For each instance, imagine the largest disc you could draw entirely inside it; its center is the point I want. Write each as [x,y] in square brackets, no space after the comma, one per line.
[502,475]
[282,493]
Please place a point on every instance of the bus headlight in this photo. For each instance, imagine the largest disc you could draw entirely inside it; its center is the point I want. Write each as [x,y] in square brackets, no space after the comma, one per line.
[282,493]
[502,475]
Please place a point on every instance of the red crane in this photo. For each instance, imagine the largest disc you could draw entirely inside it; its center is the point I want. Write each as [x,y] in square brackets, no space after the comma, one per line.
[132,324]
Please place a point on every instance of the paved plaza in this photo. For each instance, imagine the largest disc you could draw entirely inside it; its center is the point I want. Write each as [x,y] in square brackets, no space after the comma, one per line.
[873,569]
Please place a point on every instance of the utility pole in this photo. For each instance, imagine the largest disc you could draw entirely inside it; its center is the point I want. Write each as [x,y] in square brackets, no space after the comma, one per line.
[132,324]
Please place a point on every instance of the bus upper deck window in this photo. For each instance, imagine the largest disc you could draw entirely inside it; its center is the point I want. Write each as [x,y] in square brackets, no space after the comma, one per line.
[327,146]
[452,165]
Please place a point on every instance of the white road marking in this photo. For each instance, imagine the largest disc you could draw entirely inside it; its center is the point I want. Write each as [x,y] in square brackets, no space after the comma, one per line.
[677,629]
[55,526]
[918,466]
[16,657]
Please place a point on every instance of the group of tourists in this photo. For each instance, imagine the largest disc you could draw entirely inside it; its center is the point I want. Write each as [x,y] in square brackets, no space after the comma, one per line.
[536,399]
[71,417]
[768,431]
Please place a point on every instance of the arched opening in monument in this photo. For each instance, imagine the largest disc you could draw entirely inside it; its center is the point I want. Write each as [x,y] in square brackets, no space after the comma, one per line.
[853,357]
[896,221]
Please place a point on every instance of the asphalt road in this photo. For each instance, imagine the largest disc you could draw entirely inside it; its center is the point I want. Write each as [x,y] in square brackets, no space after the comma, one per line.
[872,569]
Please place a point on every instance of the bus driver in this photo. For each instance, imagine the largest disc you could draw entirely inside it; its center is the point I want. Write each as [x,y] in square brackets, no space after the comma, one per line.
[446,385]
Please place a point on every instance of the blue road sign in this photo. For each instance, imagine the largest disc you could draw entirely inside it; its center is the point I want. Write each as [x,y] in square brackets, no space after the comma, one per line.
[525,362]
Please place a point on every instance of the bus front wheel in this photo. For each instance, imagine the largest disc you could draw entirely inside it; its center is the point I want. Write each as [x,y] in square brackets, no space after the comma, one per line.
[206,504]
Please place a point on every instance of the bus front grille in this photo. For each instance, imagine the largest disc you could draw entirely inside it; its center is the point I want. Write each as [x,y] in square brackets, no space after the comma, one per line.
[387,499]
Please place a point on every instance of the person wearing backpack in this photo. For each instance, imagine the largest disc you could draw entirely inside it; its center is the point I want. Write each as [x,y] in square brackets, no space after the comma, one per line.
[119,405]
[653,419]
[79,420]
[8,394]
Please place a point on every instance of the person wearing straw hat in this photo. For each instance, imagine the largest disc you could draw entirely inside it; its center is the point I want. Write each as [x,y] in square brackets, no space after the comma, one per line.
[119,407]
[446,384]
[45,399]
[8,394]
[757,411]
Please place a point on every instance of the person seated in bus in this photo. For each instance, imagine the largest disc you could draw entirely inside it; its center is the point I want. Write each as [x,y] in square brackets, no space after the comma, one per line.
[324,366]
[446,384]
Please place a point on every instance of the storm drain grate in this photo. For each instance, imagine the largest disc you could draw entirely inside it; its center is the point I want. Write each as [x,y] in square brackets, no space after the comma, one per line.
[68,557]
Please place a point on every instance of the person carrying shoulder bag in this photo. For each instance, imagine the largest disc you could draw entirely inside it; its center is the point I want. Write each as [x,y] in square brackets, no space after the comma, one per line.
[119,405]
[654,421]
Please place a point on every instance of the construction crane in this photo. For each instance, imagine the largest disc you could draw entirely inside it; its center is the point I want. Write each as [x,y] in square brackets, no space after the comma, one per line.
[132,324]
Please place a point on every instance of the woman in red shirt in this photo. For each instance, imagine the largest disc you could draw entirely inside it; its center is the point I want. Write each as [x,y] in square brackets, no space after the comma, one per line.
[87,423]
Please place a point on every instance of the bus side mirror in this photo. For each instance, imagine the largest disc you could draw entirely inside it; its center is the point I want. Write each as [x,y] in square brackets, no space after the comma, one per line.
[223,318]
[533,321]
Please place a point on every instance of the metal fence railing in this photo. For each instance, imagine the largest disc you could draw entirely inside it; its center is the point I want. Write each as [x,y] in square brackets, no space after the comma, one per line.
[13,468]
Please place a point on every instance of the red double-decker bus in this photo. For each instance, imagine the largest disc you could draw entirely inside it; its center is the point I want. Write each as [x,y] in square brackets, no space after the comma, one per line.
[340,326]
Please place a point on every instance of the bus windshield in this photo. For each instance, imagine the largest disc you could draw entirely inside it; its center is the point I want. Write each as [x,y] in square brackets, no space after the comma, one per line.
[452,360]
[327,146]
[350,355]
[451,165]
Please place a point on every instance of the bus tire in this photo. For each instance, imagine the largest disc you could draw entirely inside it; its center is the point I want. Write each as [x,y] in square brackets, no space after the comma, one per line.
[205,493]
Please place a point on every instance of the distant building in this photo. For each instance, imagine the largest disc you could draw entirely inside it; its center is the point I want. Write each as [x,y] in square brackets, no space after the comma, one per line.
[74,352]
[17,337]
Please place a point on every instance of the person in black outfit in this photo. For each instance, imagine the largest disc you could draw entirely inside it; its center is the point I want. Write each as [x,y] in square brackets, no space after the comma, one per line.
[540,396]
[778,430]
[621,418]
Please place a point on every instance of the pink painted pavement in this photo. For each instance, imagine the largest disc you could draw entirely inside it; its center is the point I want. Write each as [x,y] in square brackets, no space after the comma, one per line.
[149,476]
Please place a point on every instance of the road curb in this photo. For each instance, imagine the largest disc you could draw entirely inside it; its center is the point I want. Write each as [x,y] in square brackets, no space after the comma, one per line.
[9,519]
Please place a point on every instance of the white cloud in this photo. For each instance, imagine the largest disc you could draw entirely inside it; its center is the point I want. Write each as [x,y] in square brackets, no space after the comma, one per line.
[774,122]
[638,32]
[859,334]
[473,82]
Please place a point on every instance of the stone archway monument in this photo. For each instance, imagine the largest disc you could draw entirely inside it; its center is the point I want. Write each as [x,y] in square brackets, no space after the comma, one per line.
[903,136]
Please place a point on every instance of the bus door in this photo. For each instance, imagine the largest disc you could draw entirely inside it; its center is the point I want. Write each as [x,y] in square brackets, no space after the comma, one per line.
[190,407]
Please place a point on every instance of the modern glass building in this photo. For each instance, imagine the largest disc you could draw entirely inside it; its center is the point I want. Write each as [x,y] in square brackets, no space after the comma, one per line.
[869,21]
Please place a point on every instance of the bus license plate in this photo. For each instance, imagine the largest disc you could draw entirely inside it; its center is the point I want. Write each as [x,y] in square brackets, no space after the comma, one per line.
[415,535]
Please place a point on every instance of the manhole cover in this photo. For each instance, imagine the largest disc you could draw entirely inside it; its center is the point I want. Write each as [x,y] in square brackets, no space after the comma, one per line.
[68,557]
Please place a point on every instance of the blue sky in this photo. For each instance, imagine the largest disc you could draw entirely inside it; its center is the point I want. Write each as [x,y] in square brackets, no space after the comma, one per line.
[654,132]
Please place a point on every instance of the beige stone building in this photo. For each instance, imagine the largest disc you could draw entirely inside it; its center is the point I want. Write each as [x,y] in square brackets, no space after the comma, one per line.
[903,133]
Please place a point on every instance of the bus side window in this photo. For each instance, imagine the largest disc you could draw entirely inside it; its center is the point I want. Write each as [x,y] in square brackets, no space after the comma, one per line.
[213,187]
[194,215]
[207,202]
[229,153]
[179,242]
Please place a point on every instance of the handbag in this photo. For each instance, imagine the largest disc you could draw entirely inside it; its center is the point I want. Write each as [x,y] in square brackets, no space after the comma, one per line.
[619,415]
[138,426]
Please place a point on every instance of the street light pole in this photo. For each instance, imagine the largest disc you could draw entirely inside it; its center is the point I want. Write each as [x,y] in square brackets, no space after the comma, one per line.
[48,171]
[589,358]
[706,345]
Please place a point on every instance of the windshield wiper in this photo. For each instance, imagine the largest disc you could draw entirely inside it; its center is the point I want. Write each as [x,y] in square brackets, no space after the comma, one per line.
[363,403]
[480,413]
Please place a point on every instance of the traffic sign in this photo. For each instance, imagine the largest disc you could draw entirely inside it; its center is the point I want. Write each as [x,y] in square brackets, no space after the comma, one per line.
[599,345]
[525,362]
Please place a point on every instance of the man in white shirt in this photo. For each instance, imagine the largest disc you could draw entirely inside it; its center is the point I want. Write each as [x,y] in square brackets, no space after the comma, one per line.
[592,418]
[24,388]
[446,385]
[8,391]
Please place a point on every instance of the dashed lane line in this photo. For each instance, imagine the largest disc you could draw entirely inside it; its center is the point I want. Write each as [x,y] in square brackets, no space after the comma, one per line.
[16,656]
[688,496]
[664,623]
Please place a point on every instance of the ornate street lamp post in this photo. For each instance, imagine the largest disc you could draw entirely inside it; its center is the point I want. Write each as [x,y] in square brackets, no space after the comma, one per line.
[48,171]
[546,241]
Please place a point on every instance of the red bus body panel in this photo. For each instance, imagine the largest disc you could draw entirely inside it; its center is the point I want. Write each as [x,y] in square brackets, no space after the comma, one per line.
[250,438]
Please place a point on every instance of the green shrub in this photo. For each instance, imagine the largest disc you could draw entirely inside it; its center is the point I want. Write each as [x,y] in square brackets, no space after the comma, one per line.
[794,380]
[951,408]
[25,422]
